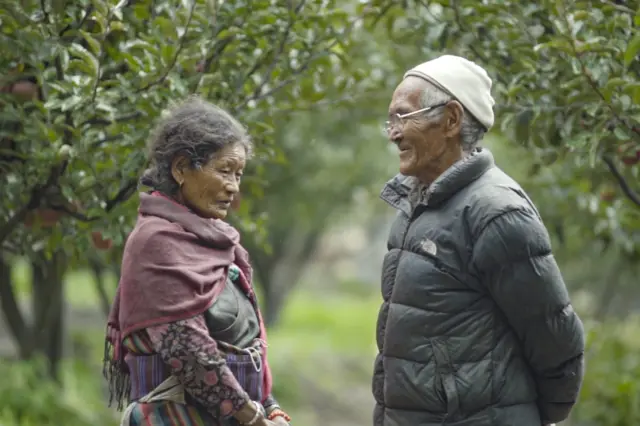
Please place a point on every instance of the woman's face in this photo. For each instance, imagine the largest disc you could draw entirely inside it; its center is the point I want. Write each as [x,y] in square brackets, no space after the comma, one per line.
[209,190]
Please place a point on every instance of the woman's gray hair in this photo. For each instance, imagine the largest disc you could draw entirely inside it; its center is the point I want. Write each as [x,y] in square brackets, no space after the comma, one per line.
[471,132]
[195,129]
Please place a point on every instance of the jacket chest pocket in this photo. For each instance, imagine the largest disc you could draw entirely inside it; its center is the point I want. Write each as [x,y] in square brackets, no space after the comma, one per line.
[445,382]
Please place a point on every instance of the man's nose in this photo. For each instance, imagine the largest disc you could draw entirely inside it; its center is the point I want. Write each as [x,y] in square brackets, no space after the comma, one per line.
[395,134]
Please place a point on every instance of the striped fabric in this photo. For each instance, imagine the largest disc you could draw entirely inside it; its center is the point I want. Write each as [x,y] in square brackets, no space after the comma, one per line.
[146,368]
[146,373]
[151,370]
[245,373]
[168,413]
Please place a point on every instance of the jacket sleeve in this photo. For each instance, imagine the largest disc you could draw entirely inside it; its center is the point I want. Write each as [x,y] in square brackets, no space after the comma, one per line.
[512,255]
[193,356]
[270,403]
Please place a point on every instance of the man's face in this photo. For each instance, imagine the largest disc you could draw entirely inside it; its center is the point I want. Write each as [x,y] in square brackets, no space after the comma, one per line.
[423,140]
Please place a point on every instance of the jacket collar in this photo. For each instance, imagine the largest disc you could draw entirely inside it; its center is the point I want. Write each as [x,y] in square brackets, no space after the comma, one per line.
[405,192]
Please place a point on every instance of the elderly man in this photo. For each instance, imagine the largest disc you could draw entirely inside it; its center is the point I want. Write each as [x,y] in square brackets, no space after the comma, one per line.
[476,328]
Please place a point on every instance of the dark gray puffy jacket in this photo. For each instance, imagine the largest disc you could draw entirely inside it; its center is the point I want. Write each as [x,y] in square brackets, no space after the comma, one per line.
[476,327]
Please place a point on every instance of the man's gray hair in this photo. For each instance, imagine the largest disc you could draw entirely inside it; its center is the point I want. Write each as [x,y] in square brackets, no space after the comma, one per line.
[471,132]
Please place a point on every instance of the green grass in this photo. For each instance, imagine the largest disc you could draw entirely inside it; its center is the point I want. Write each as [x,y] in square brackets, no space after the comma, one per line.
[312,325]
[345,324]
[318,339]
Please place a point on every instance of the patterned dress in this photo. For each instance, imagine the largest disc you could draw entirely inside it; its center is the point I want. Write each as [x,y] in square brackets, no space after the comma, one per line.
[186,350]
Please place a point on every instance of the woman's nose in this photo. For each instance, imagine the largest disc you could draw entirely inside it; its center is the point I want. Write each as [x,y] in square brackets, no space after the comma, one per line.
[233,186]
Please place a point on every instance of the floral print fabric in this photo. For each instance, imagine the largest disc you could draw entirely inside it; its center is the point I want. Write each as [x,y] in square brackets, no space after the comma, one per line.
[193,356]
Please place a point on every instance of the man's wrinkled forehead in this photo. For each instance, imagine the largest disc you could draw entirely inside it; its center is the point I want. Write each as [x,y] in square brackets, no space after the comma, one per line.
[406,97]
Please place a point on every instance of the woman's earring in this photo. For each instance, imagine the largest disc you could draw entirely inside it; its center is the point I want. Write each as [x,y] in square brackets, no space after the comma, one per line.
[180,184]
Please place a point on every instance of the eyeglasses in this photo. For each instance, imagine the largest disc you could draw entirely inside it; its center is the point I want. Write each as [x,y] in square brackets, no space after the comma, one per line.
[396,120]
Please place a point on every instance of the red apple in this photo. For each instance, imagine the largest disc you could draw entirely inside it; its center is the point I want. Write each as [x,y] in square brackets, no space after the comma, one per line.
[631,158]
[25,90]
[100,242]
[46,218]
[50,217]
[608,195]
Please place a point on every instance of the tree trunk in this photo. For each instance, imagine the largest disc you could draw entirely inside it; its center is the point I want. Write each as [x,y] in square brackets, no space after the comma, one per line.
[285,272]
[48,309]
[98,269]
[13,315]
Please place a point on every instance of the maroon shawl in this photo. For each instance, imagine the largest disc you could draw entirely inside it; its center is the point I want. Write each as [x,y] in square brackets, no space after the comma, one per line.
[175,264]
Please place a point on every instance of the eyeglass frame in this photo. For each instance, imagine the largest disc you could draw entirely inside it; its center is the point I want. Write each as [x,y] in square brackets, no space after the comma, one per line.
[388,124]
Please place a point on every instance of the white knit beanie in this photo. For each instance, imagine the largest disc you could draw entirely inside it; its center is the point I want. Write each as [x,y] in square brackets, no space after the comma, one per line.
[466,81]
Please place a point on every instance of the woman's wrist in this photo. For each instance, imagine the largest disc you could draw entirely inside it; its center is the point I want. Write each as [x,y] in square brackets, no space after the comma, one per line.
[249,414]
[269,408]
[277,412]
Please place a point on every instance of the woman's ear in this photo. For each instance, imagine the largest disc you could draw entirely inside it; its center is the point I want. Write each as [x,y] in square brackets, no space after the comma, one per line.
[179,166]
[453,123]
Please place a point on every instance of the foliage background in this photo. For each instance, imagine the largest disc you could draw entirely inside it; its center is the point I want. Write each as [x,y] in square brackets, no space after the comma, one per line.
[81,84]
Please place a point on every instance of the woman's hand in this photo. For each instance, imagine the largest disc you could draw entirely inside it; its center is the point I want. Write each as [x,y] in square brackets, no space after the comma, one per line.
[280,421]
[251,412]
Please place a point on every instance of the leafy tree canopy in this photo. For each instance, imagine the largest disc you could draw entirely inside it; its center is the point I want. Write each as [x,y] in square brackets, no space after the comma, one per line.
[82,83]
[567,86]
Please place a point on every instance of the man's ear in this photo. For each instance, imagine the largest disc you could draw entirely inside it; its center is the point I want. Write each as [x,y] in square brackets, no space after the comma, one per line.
[179,166]
[453,122]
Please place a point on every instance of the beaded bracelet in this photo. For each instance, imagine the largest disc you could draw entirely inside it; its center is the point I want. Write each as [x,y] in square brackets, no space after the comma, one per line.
[278,413]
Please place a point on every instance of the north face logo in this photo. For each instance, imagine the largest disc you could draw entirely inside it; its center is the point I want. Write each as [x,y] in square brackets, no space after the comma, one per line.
[429,247]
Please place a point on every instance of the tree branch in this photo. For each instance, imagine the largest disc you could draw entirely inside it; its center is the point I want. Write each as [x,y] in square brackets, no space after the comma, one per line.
[34,201]
[471,47]
[266,77]
[177,54]
[218,48]
[47,18]
[219,45]
[15,219]
[383,11]
[620,7]
[589,78]
[125,192]
[97,268]
[122,119]
[624,185]
[104,140]
[79,24]
[258,94]
[68,119]
[217,52]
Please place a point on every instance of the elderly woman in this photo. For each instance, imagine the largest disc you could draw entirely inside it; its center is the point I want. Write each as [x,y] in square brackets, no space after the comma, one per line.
[185,339]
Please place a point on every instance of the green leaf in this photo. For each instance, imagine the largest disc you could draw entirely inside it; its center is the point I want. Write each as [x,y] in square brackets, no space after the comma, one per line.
[94,44]
[101,7]
[90,60]
[557,44]
[632,50]
[633,90]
